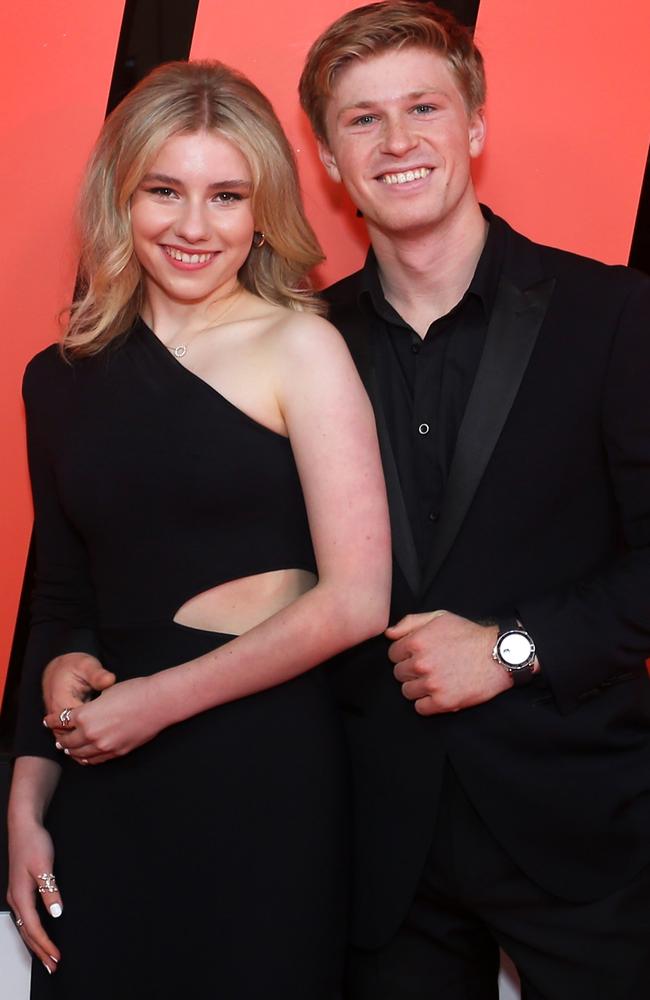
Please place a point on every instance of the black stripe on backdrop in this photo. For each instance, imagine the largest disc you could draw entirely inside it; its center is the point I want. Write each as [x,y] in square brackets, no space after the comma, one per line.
[465,10]
[640,251]
[153,32]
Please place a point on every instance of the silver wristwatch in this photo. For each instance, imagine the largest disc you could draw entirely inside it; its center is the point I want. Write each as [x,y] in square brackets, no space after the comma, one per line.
[515,651]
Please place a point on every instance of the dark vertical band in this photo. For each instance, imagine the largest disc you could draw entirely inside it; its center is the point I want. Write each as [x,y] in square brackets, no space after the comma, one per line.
[466,11]
[153,32]
[640,249]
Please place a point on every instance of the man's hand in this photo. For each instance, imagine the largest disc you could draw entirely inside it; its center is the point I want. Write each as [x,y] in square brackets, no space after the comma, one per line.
[124,717]
[72,679]
[444,662]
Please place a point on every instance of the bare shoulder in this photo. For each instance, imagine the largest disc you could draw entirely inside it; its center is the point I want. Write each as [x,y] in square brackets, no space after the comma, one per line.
[304,337]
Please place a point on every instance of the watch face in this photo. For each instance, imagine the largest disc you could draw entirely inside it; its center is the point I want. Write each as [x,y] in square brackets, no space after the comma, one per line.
[515,649]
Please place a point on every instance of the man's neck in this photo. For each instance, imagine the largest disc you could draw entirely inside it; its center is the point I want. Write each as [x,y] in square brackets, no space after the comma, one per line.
[424,275]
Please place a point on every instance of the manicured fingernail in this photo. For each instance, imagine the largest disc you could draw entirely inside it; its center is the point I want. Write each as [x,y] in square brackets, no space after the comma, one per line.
[58,745]
[66,752]
[48,968]
[55,960]
[45,723]
[56,909]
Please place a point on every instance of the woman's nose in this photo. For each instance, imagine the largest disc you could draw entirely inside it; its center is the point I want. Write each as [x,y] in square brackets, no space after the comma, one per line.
[192,223]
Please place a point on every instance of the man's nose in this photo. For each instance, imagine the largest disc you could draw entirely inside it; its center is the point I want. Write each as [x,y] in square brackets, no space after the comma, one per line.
[398,137]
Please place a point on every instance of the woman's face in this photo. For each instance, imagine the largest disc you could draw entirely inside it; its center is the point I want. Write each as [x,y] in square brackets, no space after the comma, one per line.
[192,220]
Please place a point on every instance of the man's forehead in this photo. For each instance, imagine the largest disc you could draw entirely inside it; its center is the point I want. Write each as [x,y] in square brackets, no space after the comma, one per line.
[392,76]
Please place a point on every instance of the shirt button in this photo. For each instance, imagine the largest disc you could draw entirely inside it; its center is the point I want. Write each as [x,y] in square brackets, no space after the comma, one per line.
[423,429]
[415,348]
[433,516]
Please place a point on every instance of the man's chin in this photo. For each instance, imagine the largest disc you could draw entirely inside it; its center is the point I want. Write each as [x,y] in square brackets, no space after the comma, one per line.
[400,224]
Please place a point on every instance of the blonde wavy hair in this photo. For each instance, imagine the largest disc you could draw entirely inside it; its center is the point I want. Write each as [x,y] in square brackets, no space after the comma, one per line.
[185,97]
[377,27]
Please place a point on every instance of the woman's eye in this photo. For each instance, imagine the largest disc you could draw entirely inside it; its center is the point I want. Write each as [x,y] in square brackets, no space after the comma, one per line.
[227,197]
[162,192]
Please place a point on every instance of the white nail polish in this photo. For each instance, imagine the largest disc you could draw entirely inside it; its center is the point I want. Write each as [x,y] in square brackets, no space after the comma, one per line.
[56,909]
[48,968]
[55,960]
[58,745]
[66,752]
[45,724]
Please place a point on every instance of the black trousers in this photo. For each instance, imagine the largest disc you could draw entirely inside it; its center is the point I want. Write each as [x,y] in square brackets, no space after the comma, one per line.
[472,899]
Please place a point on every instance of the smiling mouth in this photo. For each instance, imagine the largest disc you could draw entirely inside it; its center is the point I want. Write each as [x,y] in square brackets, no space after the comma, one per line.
[189,258]
[405,176]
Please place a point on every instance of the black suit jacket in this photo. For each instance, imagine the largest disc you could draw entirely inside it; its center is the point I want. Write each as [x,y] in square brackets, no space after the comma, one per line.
[547,513]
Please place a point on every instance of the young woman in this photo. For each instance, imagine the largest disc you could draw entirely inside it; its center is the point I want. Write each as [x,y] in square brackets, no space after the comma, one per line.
[209,504]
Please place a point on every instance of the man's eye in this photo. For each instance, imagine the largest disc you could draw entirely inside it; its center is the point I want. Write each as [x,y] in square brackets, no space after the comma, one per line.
[364,120]
[424,109]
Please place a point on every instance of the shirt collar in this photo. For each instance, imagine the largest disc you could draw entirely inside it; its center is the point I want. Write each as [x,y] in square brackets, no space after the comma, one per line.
[483,284]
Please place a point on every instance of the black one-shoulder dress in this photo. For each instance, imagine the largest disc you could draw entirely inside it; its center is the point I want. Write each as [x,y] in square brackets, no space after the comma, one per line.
[210,862]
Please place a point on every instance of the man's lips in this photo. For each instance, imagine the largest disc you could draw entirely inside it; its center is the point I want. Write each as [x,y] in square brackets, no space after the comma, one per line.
[405,176]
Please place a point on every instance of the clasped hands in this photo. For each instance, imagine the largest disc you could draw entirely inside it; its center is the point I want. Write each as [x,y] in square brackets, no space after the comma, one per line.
[442,661]
[122,718]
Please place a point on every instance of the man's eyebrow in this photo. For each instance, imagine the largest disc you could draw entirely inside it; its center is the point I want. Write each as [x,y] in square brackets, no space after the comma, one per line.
[237,182]
[413,95]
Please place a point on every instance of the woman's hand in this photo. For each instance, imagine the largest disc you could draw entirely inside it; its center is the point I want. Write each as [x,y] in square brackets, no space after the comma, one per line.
[124,717]
[31,854]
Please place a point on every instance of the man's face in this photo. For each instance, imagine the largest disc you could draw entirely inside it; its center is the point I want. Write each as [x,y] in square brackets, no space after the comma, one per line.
[400,140]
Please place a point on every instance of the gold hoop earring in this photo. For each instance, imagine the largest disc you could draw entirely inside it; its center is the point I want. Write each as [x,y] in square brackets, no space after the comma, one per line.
[259,239]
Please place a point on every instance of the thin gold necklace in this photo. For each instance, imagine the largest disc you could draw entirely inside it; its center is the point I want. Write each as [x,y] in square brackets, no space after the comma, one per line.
[181,349]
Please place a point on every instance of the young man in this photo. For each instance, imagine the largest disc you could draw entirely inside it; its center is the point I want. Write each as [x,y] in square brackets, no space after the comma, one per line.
[502,759]
[503,791]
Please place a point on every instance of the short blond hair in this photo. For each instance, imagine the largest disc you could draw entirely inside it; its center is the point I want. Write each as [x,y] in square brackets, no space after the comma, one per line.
[185,98]
[377,27]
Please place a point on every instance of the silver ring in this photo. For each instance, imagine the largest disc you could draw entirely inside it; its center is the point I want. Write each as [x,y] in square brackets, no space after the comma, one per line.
[64,718]
[19,921]
[49,883]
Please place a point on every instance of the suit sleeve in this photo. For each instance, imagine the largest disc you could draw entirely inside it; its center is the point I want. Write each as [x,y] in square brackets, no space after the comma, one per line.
[62,600]
[598,632]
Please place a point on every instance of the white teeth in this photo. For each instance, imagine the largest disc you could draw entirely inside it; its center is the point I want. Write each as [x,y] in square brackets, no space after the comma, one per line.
[188,258]
[408,175]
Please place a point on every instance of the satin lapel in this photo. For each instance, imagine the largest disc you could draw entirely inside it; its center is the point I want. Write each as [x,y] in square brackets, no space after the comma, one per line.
[358,340]
[516,319]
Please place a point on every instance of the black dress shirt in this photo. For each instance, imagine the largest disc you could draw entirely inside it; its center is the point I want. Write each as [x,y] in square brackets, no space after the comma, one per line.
[425,383]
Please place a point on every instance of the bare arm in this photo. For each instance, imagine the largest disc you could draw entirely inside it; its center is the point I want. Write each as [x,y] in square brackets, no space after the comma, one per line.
[332,433]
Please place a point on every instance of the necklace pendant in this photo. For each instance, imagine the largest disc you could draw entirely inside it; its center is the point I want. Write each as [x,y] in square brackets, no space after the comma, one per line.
[180,351]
